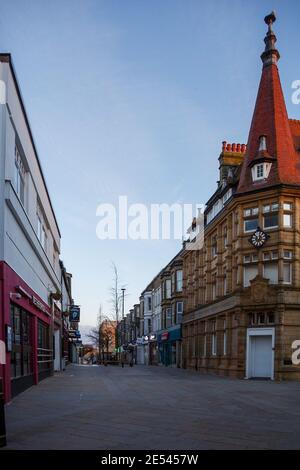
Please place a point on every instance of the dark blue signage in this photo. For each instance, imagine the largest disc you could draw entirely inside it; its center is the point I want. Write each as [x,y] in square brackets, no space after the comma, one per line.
[74,313]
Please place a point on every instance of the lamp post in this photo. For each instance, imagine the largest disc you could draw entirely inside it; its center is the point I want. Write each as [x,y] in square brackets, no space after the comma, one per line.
[123,305]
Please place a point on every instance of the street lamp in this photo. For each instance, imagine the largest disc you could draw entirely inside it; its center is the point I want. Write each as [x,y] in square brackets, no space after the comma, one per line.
[123,305]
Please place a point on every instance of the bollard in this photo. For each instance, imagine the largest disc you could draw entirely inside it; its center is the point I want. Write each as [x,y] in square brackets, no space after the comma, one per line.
[2,417]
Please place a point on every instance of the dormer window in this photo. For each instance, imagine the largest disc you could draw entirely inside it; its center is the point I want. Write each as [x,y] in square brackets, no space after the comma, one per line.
[261,171]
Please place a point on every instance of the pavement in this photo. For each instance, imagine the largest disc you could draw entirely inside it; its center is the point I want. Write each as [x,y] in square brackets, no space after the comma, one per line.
[153,408]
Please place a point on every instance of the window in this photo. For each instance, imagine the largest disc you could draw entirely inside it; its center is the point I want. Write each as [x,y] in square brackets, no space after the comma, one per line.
[250,212]
[214,246]
[227,196]
[287,220]
[225,237]
[287,254]
[149,300]
[19,176]
[224,281]
[179,280]
[168,317]
[271,272]
[179,312]
[287,273]
[251,224]
[270,212]
[261,171]
[250,272]
[41,229]
[287,206]
[168,286]
[214,286]
[250,258]
[213,339]
[270,221]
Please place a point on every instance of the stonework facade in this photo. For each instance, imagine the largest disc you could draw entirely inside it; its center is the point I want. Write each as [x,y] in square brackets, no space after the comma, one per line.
[242,288]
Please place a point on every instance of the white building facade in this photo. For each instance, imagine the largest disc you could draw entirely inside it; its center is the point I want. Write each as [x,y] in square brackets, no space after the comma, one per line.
[30,274]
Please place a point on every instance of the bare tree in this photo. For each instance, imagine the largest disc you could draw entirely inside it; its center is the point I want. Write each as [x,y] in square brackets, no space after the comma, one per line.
[116,299]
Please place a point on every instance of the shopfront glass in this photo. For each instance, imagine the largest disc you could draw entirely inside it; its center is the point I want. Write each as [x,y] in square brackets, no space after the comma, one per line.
[21,354]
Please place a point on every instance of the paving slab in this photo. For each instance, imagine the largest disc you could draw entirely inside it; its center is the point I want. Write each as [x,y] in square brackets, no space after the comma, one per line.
[153,408]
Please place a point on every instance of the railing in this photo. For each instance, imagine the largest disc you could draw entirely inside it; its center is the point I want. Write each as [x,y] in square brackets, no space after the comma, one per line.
[44,356]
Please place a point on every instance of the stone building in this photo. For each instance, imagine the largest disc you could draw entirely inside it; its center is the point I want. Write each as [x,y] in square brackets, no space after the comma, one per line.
[242,288]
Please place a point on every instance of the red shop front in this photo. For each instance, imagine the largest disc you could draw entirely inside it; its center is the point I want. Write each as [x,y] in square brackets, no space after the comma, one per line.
[26,328]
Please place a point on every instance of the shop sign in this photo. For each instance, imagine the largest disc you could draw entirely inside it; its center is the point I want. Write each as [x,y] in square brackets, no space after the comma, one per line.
[38,304]
[165,336]
[74,313]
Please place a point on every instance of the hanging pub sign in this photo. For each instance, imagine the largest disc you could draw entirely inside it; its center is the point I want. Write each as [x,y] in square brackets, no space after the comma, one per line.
[74,313]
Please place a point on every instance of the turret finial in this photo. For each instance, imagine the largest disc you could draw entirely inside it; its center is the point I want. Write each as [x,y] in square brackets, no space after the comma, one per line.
[270,54]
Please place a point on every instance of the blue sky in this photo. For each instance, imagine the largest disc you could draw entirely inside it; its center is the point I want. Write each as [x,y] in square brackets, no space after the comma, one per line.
[134,97]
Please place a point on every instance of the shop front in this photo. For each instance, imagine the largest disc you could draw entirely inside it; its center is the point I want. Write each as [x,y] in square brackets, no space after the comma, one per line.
[169,346]
[26,330]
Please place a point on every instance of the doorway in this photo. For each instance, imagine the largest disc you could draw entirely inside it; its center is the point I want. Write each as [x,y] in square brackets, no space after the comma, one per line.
[260,353]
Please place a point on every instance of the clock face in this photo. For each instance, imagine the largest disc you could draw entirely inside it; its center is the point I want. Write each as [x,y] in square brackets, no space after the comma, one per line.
[258,238]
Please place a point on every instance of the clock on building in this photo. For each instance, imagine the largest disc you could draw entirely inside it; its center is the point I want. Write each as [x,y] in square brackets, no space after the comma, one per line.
[258,238]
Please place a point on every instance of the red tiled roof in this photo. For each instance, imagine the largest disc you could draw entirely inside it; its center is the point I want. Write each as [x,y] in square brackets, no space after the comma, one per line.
[295,129]
[270,119]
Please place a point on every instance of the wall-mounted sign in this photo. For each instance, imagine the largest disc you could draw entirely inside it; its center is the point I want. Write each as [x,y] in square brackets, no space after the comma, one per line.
[165,336]
[74,313]
[36,302]
[72,333]
[8,336]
